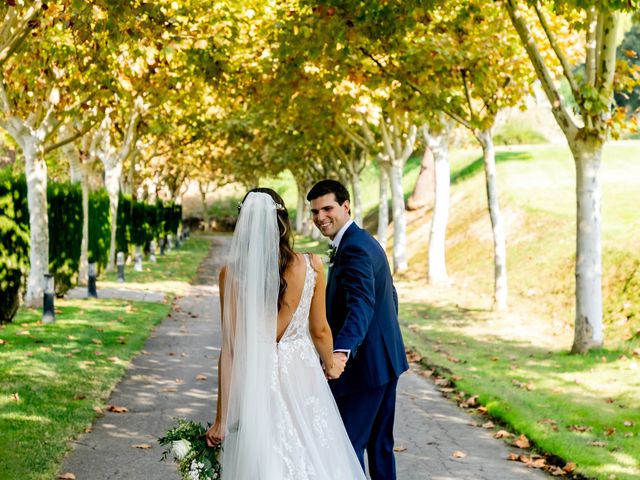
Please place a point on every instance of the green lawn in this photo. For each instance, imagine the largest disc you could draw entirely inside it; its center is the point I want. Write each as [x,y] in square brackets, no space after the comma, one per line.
[56,377]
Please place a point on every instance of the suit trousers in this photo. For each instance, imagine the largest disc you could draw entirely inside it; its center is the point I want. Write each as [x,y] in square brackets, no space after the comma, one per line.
[368,418]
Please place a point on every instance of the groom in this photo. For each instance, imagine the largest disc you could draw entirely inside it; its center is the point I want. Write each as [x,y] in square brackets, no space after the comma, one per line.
[362,308]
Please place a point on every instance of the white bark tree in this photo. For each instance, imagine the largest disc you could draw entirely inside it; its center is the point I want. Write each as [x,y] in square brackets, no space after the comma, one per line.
[399,137]
[113,157]
[436,137]
[34,136]
[593,95]
[354,160]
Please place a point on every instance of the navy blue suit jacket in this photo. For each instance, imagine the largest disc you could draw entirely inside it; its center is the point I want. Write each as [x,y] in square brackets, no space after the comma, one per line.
[362,309]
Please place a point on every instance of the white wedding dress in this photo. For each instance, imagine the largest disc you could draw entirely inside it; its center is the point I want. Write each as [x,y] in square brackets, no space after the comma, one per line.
[277,411]
[310,437]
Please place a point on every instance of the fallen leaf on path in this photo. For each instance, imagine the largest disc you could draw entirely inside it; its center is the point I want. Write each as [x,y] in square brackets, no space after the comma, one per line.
[399,448]
[66,476]
[143,446]
[183,354]
[88,430]
[503,434]
[524,459]
[472,401]
[521,442]
[569,467]
[171,354]
[512,456]
[179,381]
[413,356]
[117,409]
[447,389]
[537,463]
[556,471]
[458,454]
[442,382]
[201,377]
[426,373]
[488,425]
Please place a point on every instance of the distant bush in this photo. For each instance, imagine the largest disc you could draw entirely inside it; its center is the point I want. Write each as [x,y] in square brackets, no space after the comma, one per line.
[14,242]
[223,214]
[515,133]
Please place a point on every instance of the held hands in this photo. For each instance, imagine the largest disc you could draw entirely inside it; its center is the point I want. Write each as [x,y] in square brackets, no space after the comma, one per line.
[339,363]
[214,435]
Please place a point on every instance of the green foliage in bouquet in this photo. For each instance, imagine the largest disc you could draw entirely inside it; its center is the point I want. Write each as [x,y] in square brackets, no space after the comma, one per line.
[187,443]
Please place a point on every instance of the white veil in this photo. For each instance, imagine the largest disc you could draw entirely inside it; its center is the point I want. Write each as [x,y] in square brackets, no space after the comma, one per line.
[248,357]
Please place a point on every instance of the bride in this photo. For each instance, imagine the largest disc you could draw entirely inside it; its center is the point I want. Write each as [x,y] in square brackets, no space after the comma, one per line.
[275,414]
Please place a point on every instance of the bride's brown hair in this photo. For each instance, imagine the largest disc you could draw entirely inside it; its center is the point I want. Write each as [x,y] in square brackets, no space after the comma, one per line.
[286,253]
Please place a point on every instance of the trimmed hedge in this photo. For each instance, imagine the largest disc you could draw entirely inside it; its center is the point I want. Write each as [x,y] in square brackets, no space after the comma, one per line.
[123,236]
[99,228]
[14,243]
[65,233]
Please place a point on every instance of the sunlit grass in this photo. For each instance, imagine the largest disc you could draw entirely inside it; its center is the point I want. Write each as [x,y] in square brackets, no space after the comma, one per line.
[53,376]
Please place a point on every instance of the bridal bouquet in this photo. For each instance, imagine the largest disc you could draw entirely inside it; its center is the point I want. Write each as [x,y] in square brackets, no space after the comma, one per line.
[187,443]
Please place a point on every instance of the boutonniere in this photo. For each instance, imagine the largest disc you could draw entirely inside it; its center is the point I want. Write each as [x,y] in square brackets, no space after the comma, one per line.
[331,254]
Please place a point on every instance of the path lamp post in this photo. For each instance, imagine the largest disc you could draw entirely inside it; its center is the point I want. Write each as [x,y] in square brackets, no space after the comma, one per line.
[48,309]
[91,286]
[120,263]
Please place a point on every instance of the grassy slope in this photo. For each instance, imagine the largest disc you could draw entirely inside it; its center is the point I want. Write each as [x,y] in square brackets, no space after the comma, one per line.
[517,361]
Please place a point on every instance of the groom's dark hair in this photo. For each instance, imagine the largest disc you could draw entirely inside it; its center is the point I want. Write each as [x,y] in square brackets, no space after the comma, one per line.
[325,187]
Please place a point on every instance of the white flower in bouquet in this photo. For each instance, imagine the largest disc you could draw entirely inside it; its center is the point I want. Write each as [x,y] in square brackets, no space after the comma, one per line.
[180,449]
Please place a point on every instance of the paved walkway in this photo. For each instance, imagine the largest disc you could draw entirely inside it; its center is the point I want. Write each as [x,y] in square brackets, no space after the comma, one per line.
[162,383]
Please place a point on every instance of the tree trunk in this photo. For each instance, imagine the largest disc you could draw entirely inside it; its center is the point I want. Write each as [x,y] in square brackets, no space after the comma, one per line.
[438,144]
[499,241]
[357,199]
[300,208]
[36,173]
[423,191]
[399,222]
[588,332]
[383,207]
[83,271]
[112,183]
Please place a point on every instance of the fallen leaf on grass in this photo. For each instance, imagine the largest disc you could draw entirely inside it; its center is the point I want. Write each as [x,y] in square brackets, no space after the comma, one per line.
[447,389]
[458,454]
[628,423]
[537,462]
[113,359]
[399,448]
[88,430]
[521,442]
[556,471]
[66,476]
[488,425]
[201,377]
[98,410]
[413,356]
[23,332]
[609,431]
[121,339]
[482,410]
[89,362]
[2,341]
[97,341]
[143,446]
[569,467]
[503,434]
[597,443]
[579,428]
[15,397]
[117,409]
[426,373]
[79,397]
